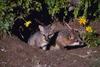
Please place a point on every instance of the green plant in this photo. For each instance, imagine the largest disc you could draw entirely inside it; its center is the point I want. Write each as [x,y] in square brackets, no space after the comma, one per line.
[5,18]
[87,8]
[89,36]
[37,6]
[91,39]
[55,6]
[10,10]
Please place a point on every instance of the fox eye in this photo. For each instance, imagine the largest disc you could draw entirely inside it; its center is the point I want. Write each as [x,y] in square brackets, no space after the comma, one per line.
[71,37]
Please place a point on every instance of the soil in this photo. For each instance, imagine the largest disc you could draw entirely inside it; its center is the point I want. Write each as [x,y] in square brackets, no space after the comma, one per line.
[16,53]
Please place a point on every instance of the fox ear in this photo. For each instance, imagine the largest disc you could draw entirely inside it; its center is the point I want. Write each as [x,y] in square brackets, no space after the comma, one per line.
[41,28]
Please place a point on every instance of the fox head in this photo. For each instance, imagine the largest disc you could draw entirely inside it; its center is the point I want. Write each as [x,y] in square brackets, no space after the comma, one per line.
[46,31]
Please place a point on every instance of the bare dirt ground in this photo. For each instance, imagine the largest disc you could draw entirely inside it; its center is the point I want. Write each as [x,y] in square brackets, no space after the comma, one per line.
[15,53]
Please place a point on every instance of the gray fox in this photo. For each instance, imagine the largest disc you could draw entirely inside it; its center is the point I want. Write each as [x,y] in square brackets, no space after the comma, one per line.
[41,38]
[66,36]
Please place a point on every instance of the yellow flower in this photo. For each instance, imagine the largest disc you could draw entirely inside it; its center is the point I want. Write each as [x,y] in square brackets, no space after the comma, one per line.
[82,20]
[27,23]
[89,29]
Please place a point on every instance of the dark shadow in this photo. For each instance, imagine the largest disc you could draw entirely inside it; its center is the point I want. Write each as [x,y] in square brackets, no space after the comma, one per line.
[92,9]
[52,41]
[74,47]
[22,32]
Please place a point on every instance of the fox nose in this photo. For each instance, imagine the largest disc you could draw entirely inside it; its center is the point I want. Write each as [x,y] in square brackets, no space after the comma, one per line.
[46,37]
[76,40]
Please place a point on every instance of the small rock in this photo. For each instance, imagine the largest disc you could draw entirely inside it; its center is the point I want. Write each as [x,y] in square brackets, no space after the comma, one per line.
[3,50]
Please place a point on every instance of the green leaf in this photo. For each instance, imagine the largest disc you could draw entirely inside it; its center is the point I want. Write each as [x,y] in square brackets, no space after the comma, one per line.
[98,41]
